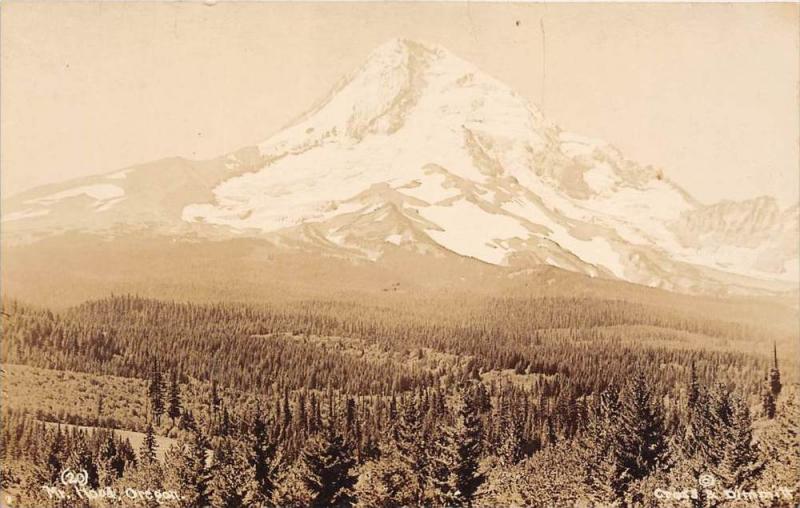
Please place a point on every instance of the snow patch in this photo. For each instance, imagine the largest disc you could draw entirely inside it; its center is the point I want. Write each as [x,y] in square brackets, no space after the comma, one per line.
[431,189]
[24,214]
[471,231]
[600,178]
[395,239]
[103,206]
[597,251]
[98,192]
[119,175]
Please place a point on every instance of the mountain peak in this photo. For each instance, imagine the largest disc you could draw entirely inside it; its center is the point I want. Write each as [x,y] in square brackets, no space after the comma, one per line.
[397,79]
[403,45]
[409,48]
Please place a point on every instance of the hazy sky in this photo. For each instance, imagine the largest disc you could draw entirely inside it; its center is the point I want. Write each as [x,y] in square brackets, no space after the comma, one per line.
[707,92]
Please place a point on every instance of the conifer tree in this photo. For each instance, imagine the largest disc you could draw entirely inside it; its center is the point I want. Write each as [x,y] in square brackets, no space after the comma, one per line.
[350,419]
[230,473]
[694,388]
[625,440]
[174,406]
[775,374]
[386,482]
[315,418]
[482,400]
[719,440]
[768,402]
[641,446]
[410,442]
[146,473]
[80,460]
[264,460]
[510,432]
[781,446]
[47,464]
[224,427]
[125,455]
[155,393]
[697,442]
[147,452]
[214,400]
[292,489]
[107,470]
[551,477]
[598,447]
[187,472]
[323,475]
[286,415]
[393,408]
[739,464]
[455,465]
[302,413]
[551,437]
[187,421]
[54,455]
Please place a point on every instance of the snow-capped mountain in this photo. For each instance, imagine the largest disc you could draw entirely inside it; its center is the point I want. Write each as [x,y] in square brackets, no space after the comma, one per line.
[419,151]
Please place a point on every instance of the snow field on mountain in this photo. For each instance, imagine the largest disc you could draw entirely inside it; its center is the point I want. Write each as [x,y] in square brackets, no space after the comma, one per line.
[470,231]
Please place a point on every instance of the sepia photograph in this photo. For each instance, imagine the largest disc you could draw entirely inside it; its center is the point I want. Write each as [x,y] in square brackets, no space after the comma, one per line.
[399,254]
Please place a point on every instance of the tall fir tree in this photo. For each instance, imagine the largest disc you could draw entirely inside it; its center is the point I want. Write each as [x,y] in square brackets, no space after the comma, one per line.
[55,454]
[214,402]
[148,473]
[108,470]
[187,471]
[411,443]
[187,421]
[780,442]
[231,473]
[740,464]
[775,374]
[597,447]
[694,388]
[147,452]
[264,459]
[768,402]
[719,440]
[510,446]
[458,452]
[323,475]
[174,406]
[155,392]
[641,446]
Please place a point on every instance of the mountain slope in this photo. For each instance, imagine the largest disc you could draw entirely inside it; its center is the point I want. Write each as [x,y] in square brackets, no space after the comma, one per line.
[420,152]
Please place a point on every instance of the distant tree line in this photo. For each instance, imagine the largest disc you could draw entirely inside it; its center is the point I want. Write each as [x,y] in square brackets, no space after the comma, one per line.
[593,343]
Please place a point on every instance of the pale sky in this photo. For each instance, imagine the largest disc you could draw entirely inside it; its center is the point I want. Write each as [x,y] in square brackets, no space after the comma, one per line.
[707,92]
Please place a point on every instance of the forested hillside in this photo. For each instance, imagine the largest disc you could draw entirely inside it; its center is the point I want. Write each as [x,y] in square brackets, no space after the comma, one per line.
[484,402]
